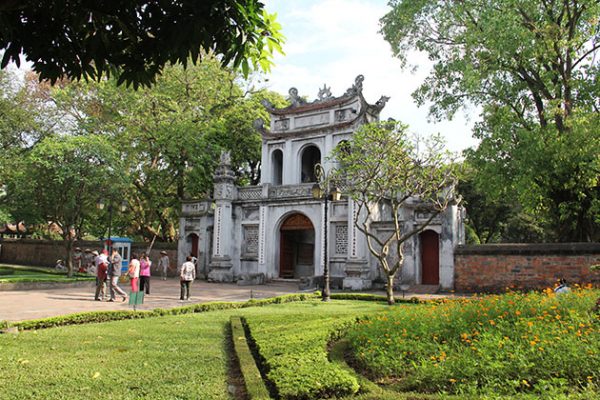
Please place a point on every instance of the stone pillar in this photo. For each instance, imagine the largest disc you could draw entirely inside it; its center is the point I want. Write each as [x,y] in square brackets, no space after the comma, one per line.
[262,242]
[220,268]
[357,266]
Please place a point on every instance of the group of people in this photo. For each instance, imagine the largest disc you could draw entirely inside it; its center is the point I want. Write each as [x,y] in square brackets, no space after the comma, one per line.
[108,270]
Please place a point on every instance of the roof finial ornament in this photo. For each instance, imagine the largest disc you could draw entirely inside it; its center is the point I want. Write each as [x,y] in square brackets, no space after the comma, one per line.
[324,93]
[381,102]
[357,87]
[294,98]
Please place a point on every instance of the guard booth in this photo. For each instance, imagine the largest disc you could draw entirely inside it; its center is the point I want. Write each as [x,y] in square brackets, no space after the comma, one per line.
[123,246]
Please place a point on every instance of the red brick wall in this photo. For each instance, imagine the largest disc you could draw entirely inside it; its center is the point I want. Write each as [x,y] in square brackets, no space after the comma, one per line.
[496,267]
[44,253]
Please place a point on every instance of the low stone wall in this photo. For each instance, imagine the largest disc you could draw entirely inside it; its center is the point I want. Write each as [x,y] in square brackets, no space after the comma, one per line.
[496,267]
[44,253]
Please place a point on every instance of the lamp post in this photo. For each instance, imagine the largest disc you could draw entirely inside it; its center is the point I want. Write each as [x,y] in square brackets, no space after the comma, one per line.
[323,190]
[100,206]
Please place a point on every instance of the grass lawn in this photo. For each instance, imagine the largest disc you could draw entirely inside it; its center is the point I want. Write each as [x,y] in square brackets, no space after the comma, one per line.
[187,356]
[17,273]
[174,357]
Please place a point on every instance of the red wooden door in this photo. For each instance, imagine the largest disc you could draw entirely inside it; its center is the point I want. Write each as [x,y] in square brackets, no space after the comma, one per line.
[194,238]
[286,257]
[430,258]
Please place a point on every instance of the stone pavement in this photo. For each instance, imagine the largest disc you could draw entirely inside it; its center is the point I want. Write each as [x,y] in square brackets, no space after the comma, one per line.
[32,304]
[37,303]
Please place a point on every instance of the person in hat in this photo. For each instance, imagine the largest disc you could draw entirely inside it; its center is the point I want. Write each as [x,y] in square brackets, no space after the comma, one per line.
[88,261]
[163,264]
[78,260]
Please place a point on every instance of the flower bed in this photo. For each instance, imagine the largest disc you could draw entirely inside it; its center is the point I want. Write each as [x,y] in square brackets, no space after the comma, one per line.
[537,343]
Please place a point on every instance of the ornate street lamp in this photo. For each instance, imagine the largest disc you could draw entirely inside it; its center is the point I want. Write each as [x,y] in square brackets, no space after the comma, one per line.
[323,190]
[100,206]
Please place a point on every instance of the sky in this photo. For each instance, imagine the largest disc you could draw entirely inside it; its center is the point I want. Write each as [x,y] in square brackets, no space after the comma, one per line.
[332,41]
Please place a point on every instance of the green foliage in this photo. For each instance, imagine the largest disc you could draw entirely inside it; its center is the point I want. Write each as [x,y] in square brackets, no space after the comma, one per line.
[293,346]
[17,274]
[255,387]
[136,39]
[494,219]
[536,343]
[532,67]
[170,136]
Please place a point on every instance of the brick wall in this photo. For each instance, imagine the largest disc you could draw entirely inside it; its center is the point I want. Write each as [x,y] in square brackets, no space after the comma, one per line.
[46,252]
[495,267]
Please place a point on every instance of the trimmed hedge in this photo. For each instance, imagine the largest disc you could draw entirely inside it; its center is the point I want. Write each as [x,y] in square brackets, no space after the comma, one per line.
[375,297]
[255,387]
[293,352]
[106,316]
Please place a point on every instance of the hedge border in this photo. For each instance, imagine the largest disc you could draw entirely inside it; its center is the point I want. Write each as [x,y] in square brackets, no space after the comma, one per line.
[255,386]
[107,316]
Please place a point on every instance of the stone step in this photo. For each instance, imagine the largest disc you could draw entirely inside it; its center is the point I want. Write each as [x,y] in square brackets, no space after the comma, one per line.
[285,280]
[424,289]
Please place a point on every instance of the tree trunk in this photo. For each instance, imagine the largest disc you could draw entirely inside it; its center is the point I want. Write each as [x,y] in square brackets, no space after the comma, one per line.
[69,258]
[390,289]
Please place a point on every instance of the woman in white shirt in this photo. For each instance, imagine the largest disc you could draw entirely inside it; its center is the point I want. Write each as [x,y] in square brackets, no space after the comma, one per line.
[186,276]
[134,272]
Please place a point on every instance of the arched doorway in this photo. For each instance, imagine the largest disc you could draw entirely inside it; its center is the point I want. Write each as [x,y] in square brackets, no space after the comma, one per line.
[430,258]
[296,247]
[311,156]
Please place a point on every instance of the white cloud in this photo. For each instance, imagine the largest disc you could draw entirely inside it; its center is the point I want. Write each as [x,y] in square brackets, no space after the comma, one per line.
[332,41]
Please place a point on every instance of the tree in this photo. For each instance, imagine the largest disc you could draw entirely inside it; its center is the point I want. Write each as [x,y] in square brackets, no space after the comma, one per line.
[61,180]
[134,39]
[170,135]
[383,171]
[532,67]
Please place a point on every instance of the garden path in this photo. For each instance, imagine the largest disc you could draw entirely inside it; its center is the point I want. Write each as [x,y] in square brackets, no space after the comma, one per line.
[41,303]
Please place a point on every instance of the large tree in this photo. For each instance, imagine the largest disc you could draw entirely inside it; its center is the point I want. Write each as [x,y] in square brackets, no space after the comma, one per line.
[532,67]
[136,38]
[60,181]
[170,135]
[383,169]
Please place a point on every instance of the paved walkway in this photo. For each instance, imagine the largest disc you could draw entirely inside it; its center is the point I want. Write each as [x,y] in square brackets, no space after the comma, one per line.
[32,304]
[41,303]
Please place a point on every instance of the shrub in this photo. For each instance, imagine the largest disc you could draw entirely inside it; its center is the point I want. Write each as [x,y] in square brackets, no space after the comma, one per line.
[294,356]
[506,344]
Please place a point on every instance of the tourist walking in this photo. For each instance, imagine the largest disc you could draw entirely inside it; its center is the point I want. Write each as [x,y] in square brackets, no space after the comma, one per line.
[101,265]
[163,265]
[134,272]
[186,276]
[145,265]
[114,273]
